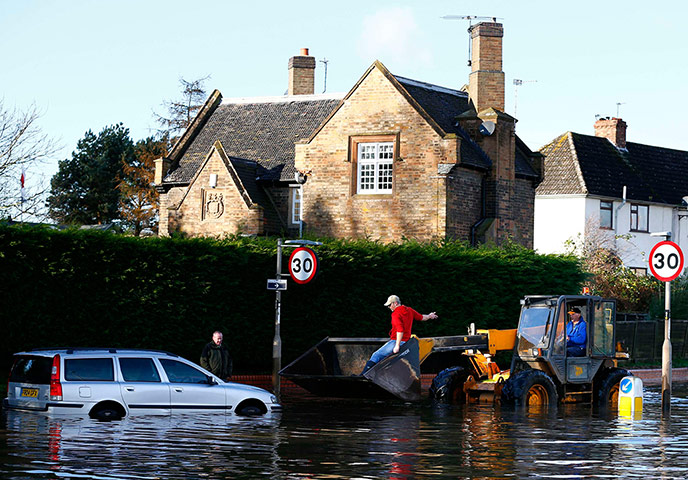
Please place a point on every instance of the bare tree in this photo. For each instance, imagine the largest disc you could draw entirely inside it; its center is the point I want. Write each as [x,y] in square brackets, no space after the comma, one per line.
[23,147]
[180,113]
[600,252]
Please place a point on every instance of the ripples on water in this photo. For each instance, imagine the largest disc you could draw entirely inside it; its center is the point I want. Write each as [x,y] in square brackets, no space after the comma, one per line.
[315,438]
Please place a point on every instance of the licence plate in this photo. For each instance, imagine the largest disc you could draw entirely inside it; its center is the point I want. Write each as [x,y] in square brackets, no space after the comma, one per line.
[29,392]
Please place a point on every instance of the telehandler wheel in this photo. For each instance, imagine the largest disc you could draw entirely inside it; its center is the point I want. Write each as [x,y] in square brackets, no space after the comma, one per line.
[606,387]
[447,386]
[529,388]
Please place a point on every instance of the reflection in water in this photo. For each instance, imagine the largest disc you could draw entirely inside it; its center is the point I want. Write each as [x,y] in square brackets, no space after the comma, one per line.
[354,439]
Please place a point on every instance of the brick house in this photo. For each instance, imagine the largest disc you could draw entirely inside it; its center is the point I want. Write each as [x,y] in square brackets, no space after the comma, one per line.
[609,193]
[393,158]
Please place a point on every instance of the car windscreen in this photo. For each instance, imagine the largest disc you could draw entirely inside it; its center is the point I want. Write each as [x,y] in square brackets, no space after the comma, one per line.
[89,369]
[31,369]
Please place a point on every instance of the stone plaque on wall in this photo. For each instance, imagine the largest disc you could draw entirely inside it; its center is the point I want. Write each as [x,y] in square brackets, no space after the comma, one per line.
[213,205]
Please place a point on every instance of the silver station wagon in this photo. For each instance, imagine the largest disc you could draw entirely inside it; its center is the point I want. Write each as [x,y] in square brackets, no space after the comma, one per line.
[113,383]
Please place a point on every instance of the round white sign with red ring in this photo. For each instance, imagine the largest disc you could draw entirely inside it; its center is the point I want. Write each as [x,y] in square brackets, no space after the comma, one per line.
[303,265]
[666,261]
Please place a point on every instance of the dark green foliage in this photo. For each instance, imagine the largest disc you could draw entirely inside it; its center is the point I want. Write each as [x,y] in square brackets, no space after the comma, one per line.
[679,298]
[84,190]
[85,288]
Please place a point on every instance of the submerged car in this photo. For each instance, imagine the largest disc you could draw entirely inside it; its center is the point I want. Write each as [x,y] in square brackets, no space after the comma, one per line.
[113,383]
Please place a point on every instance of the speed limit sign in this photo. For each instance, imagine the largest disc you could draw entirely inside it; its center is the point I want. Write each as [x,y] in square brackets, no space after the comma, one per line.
[303,265]
[666,261]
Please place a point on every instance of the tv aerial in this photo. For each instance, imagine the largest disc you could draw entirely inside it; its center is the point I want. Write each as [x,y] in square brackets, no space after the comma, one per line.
[325,61]
[517,83]
[618,104]
[470,19]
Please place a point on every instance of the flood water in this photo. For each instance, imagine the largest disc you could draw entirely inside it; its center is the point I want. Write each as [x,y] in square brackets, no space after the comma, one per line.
[316,438]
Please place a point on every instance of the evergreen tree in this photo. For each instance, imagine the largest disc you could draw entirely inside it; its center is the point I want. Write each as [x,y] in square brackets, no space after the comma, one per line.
[139,201]
[84,190]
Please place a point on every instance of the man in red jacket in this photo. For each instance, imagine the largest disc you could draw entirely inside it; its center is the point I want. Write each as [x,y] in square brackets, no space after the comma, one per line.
[402,322]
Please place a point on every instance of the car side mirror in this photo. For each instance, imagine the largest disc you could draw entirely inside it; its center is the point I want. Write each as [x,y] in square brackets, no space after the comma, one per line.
[212,381]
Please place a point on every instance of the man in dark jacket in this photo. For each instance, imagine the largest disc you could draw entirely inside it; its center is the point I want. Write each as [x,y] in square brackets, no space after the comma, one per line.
[216,359]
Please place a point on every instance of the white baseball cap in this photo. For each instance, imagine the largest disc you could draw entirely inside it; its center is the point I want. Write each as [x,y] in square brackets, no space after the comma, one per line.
[392,299]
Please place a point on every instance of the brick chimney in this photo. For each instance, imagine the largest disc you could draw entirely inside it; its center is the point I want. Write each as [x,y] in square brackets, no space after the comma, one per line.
[302,74]
[613,129]
[486,80]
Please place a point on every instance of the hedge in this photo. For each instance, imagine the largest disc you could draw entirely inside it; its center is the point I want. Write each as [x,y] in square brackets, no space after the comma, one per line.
[82,288]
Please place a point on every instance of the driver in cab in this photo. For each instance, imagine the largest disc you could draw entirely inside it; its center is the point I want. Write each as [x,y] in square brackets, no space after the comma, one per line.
[576,335]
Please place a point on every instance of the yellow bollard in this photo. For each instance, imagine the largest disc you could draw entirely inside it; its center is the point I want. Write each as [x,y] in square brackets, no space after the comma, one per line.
[631,397]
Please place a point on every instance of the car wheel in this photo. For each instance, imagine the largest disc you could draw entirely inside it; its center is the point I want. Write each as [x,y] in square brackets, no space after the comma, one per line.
[447,386]
[606,387]
[105,414]
[530,388]
[251,409]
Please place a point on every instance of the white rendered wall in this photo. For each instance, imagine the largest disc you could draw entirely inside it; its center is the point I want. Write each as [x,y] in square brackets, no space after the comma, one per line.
[557,219]
[562,218]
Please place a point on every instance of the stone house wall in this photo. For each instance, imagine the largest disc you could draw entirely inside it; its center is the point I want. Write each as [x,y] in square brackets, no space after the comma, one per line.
[202,210]
[417,206]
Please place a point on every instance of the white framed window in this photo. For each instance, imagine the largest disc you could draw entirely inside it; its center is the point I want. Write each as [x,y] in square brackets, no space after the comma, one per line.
[295,213]
[606,214]
[640,218]
[375,167]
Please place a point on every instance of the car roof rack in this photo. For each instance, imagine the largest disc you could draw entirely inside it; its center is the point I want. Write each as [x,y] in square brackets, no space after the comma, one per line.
[69,350]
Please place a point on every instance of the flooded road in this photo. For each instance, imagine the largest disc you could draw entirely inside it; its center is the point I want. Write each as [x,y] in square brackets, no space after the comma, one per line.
[315,438]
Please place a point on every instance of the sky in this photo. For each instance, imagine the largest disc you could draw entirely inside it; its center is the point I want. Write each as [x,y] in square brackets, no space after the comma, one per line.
[90,64]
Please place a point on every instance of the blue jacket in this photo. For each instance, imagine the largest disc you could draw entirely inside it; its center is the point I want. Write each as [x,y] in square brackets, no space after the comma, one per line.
[576,333]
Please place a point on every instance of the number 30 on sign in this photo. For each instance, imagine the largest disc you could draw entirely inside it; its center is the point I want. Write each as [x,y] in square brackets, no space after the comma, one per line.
[303,265]
[666,261]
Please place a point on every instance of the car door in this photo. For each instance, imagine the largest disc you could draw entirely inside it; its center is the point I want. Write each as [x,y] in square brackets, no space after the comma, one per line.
[191,389]
[142,387]
[579,369]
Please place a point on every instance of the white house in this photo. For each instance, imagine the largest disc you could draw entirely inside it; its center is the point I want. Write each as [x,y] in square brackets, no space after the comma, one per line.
[608,192]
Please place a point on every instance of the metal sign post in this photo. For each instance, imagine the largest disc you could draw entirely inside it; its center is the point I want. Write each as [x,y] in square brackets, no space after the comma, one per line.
[666,353]
[277,284]
[277,340]
[666,263]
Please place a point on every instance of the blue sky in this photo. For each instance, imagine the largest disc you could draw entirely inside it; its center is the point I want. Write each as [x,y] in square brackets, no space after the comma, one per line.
[89,64]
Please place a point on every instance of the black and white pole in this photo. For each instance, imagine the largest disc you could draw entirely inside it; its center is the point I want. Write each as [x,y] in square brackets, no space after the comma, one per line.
[666,352]
[277,341]
[666,263]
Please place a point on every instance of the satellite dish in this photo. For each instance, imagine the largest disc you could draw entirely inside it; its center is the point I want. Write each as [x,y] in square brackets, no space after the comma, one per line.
[300,178]
[487,128]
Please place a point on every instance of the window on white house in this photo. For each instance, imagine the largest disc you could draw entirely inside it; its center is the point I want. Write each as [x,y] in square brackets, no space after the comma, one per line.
[375,170]
[640,271]
[639,218]
[606,214]
[296,205]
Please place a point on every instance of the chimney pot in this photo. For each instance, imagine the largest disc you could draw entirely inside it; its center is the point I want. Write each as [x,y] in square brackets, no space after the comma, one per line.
[304,52]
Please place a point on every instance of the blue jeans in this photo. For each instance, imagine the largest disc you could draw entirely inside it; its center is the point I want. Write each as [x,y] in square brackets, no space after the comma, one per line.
[575,351]
[384,351]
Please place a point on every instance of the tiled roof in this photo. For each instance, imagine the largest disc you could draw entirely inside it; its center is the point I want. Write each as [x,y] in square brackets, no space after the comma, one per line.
[263,131]
[585,164]
[443,105]
[524,155]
